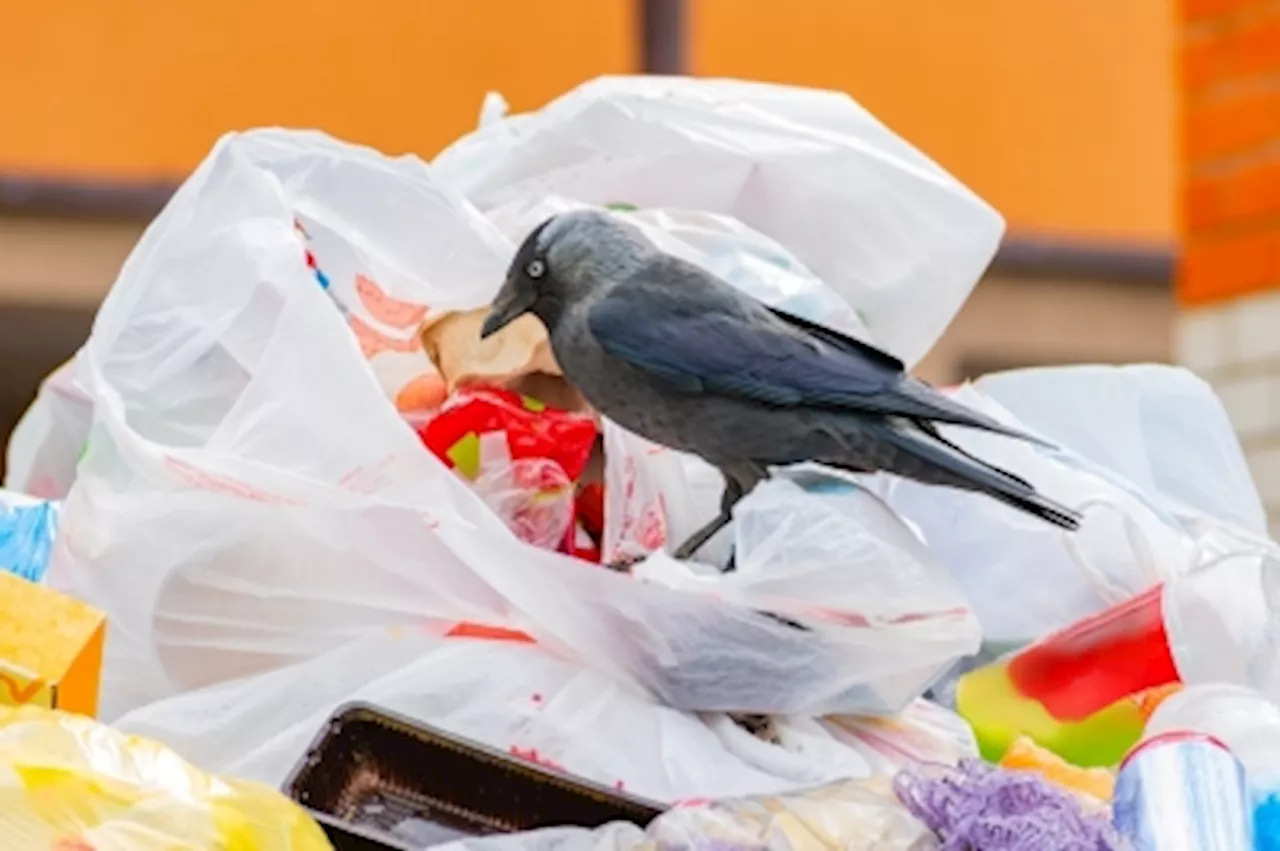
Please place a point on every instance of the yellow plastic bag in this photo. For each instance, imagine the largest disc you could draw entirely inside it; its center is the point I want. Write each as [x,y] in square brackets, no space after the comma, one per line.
[68,783]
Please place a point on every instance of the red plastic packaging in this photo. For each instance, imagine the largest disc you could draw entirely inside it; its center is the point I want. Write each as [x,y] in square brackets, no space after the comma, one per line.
[533,430]
[591,509]
[1091,664]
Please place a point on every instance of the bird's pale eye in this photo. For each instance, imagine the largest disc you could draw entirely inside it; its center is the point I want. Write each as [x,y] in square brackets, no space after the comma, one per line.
[535,268]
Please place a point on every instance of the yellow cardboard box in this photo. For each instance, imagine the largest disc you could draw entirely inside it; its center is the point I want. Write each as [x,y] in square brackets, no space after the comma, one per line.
[50,648]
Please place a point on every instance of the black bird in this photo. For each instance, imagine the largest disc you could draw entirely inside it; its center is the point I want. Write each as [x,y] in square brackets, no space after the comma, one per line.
[675,354]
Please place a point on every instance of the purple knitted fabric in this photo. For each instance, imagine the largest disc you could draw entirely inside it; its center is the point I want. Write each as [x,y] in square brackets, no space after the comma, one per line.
[979,807]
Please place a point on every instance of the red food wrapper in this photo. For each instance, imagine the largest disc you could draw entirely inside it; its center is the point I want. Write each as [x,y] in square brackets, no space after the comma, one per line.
[583,545]
[532,489]
[533,430]
[590,507]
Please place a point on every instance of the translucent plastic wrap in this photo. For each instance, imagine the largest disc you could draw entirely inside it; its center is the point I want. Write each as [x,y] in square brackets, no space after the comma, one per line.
[71,784]
[879,222]
[1127,542]
[250,497]
[516,697]
[842,816]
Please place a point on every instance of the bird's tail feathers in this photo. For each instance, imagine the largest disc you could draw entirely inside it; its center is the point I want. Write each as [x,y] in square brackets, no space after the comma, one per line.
[963,470]
[966,418]
[996,427]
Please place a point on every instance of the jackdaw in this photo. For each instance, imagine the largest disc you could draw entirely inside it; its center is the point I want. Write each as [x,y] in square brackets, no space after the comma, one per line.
[677,355]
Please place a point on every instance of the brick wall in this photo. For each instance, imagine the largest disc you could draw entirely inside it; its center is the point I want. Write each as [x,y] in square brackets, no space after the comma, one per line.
[1229,281]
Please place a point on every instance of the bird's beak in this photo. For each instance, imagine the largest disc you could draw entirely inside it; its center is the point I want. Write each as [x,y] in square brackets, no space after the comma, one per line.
[510,304]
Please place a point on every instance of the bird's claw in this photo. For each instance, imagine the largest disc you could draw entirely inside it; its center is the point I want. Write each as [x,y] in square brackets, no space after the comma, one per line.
[686,551]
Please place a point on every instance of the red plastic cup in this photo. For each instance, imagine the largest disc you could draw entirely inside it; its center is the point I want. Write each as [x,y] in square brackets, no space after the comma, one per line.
[1096,661]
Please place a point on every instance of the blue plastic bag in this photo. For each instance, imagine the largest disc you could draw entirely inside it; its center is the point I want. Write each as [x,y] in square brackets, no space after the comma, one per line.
[27,530]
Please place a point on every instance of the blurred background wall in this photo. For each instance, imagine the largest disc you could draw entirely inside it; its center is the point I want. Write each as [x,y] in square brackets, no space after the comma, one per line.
[1060,112]
[1229,286]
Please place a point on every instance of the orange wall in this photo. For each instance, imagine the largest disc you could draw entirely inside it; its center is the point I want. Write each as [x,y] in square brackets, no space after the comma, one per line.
[142,88]
[1060,112]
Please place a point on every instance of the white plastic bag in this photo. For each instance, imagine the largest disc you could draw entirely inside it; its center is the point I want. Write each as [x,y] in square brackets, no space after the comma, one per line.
[850,815]
[870,215]
[249,497]
[655,498]
[841,558]
[46,443]
[1159,427]
[923,732]
[511,696]
[863,815]
[1025,577]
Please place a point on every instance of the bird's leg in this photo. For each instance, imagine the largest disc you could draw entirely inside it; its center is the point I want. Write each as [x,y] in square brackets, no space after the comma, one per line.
[695,542]
[739,479]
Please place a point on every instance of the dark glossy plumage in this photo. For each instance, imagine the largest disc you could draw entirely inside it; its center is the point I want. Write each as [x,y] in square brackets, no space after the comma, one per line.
[765,356]
[672,352]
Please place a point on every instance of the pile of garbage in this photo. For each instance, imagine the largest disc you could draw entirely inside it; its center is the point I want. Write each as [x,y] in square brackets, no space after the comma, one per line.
[286,476]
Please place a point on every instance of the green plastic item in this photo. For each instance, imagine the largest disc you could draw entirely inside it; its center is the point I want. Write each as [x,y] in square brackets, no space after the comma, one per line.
[465,455]
[999,714]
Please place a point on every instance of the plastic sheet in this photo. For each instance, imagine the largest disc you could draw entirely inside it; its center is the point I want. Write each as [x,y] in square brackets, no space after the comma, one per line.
[516,697]
[840,816]
[67,782]
[845,816]
[1160,428]
[892,592]
[1127,542]
[233,515]
[48,440]
[883,225]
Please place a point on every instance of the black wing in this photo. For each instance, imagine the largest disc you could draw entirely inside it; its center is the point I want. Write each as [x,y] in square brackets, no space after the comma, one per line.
[768,357]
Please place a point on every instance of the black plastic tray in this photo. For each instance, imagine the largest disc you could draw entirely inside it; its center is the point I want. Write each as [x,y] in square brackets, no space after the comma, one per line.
[377,773]
[346,837]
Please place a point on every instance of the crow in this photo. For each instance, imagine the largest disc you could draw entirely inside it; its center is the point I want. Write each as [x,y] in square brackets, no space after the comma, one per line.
[675,354]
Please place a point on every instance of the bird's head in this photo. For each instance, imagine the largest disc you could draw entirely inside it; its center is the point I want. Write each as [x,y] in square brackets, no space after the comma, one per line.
[564,260]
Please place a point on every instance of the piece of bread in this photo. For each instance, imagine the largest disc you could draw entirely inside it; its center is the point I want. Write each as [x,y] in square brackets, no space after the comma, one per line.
[518,357]
[452,341]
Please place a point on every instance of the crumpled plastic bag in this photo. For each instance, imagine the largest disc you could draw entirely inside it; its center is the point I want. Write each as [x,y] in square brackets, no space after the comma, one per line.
[1159,427]
[1023,577]
[844,816]
[878,221]
[533,496]
[518,697]
[850,565]
[922,732]
[69,783]
[523,457]
[46,443]
[849,815]
[250,498]
[28,528]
